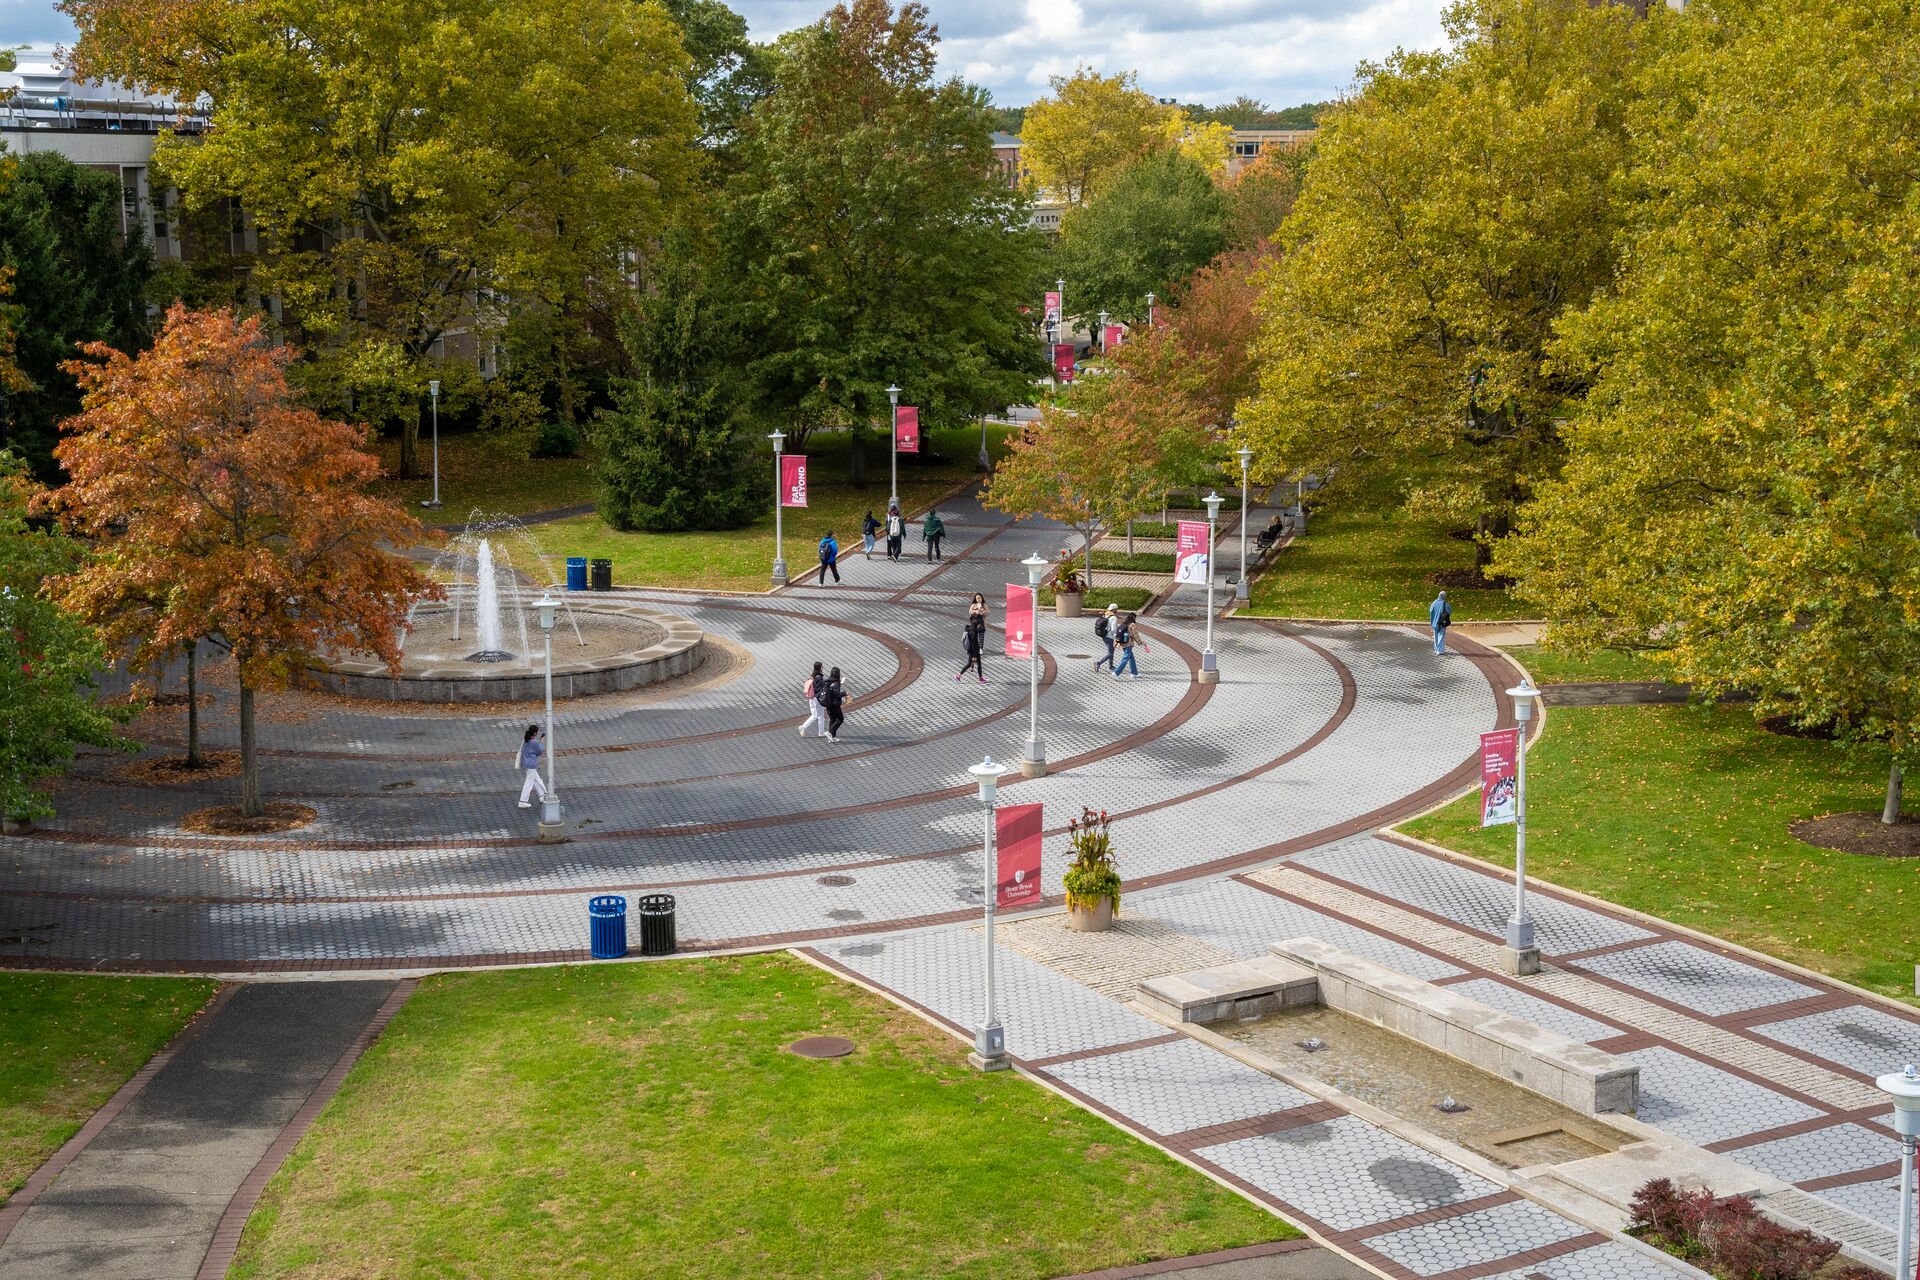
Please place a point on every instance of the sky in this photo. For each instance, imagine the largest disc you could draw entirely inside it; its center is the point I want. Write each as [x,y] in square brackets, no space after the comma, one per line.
[1282,52]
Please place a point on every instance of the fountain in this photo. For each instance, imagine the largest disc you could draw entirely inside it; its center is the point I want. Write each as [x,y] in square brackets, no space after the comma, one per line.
[495,571]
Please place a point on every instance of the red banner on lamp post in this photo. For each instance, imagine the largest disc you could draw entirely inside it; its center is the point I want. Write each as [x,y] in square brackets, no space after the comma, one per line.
[1016,841]
[793,479]
[906,429]
[1053,304]
[1063,361]
[1116,335]
[1190,552]
[1019,619]
[1499,777]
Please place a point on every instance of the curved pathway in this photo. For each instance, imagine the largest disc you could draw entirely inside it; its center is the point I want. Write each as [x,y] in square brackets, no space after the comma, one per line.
[420,856]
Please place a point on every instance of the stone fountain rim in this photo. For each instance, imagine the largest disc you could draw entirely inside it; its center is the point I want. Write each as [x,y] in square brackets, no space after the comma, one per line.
[682,635]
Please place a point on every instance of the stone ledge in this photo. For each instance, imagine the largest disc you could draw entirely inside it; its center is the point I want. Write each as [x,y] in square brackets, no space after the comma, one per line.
[1245,988]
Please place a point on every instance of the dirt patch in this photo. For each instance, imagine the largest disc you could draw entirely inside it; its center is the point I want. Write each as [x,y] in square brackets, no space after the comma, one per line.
[213,766]
[177,700]
[1466,580]
[1861,833]
[227,820]
[1786,728]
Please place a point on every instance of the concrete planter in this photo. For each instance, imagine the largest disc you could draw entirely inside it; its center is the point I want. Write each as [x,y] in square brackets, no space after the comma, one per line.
[1095,919]
[1067,604]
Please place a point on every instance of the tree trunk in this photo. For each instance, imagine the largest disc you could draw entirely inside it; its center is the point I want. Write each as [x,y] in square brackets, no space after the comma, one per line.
[1890,813]
[249,764]
[1087,547]
[410,445]
[857,460]
[1482,548]
[193,708]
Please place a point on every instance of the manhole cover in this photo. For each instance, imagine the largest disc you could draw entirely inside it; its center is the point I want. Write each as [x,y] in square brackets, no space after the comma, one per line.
[835,882]
[822,1047]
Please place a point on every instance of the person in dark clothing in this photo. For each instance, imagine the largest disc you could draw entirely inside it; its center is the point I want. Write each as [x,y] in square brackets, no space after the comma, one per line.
[834,697]
[1103,630]
[975,638]
[896,532]
[829,558]
[868,529]
[933,530]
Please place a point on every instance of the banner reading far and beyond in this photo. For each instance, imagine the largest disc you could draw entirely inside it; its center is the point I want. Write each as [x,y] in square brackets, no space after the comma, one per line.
[1019,620]
[1499,776]
[906,429]
[1190,552]
[793,479]
[1016,841]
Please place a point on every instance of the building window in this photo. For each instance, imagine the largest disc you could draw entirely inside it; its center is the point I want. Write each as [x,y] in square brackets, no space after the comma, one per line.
[1246,148]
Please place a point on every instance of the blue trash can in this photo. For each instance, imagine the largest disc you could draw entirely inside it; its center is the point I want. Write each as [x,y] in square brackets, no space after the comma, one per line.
[576,573]
[607,922]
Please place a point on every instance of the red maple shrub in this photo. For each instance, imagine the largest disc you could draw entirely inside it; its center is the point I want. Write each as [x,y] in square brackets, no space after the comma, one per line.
[1731,1236]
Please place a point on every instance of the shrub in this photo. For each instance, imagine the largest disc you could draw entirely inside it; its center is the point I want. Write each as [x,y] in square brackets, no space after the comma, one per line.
[675,458]
[1670,1216]
[1732,1236]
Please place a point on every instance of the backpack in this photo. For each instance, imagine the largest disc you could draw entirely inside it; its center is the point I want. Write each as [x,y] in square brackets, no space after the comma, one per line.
[1125,637]
[1101,627]
[807,690]
[826,552]
[1446,615]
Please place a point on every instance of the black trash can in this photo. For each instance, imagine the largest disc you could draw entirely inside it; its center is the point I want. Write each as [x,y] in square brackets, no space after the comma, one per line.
[656,925]
[607,926]
[601,575]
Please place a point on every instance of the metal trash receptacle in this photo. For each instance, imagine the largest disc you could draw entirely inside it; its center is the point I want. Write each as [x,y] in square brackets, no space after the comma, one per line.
[576,573]
[601,575]
[656,925]
[607,925]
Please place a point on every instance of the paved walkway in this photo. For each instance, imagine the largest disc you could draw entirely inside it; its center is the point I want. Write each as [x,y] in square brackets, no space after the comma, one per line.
[147,1194]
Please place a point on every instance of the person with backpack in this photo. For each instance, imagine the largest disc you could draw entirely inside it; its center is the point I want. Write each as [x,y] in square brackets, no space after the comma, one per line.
[896,532]
[816,710]
[829,558]
[868,528]
[1103,631]
[1126,638]
[1439,618]
[833,696]
[932,531]
[974,637]
[531,749]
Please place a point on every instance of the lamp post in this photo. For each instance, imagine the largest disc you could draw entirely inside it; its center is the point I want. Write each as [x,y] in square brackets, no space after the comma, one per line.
[985,461]
[553,827]
[1209,664]
[433,394]
[1149,310]
[989,1038]
[1103,333]
[1034,763]
[779,439]
[1521,956]
[893,451]
[1904,1088]
[1241,592]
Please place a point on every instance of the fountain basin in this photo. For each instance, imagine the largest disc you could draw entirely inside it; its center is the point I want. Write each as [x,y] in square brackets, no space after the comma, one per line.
[625,647]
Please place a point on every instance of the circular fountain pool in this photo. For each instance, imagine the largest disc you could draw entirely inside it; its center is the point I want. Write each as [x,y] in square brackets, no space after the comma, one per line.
[615,647]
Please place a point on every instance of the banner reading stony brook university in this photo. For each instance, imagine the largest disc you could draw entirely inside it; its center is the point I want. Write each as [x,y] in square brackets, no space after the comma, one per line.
[1114,336]
[1019,620]
[793,479]
[1063,361]
[1190,552]
[1499,776]
[1016,842]
[906,429]
[1053,304]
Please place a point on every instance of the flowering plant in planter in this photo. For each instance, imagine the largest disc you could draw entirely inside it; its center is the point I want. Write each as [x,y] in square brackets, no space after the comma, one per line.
[1066,575]
[1091,877]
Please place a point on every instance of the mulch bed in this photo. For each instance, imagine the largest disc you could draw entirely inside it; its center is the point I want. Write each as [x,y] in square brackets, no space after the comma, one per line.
[1786,728]
[213,766]
[1861,833]
[1466,580]
[227,820]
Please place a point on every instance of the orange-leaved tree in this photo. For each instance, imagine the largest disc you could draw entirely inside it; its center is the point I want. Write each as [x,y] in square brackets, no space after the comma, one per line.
[221,507]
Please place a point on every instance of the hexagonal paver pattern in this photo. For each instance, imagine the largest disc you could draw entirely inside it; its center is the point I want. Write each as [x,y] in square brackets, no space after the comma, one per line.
[1470,1239]
[1870,1041]
[1695,978]
[1610,1261]
[1875,1201]
[1174,1087]
[1346,1173]
[1841,1148]
[1703,1104]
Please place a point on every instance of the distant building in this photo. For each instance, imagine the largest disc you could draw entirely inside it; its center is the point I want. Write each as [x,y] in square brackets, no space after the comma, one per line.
[1250,144]
[1006,157]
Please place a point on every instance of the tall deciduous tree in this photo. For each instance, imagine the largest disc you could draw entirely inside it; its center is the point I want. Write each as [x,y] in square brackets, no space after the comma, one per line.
[1741,494]
[1155,224]
[1095,126]
[245,516]
[1452,210]
[874,243]
[405,161]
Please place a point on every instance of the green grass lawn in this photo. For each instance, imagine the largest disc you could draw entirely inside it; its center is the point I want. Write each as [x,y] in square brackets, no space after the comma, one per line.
[1548,667]
[628,1120]
[66,1043]
[1138,562]
[473,475]
[741,559]
[1094,599]
[1682,812]
[1363,557]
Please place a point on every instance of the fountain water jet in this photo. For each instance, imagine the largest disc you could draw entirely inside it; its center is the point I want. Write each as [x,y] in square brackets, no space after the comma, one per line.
[486,609]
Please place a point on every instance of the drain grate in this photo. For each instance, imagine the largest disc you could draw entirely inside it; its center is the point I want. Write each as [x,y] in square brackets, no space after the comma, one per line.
[822,1047]
[835,881]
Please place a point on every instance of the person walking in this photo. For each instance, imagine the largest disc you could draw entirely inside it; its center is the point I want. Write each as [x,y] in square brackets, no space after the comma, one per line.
[829,558]
[1128,638]
[532,747]
[816,710]
[932,531]
[975,638]
[833,696]
[896,532]
[1439,618]
[868,528]
[1103,631]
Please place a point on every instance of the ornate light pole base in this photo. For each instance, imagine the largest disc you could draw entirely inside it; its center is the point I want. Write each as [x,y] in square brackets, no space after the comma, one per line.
[979,1063]
[1242,593]
[1209,668]
[429,504]
[779,573]
[1208,677]
[553,832]
[1033,768]
[1520,961]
